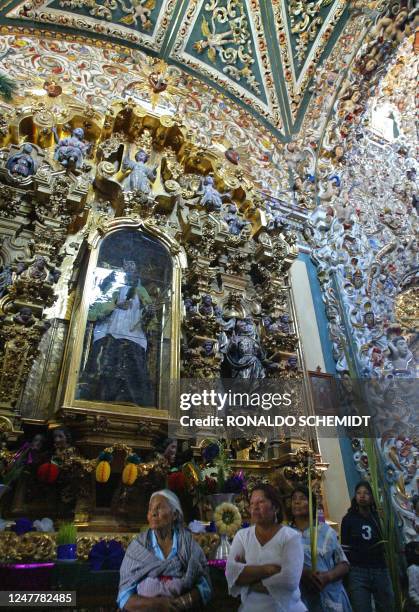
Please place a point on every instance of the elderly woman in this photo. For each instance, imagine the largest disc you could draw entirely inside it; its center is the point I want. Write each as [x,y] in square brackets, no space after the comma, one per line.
[164,569]
[322,589]
[266,560]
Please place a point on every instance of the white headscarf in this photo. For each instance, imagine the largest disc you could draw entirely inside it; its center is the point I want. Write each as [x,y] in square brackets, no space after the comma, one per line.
[173,501]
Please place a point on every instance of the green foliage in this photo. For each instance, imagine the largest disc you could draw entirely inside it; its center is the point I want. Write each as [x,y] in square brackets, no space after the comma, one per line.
[7,87]
[220,478]
[10,473]
[313,522]
[67,534]
[387,523]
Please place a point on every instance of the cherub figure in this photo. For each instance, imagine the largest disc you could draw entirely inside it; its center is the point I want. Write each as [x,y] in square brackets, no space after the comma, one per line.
[211,198]
[70,151]
[22,163]
[214,41]
[401,356]
[141,176]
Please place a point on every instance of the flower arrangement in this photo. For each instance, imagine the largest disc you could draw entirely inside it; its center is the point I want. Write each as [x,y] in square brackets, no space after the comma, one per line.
[216,475]
[227,519]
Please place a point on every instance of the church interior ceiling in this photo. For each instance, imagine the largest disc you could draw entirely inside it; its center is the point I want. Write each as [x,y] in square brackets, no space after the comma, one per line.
[262,55]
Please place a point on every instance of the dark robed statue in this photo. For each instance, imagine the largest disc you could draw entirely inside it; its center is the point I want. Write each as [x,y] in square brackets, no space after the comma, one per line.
[116,368]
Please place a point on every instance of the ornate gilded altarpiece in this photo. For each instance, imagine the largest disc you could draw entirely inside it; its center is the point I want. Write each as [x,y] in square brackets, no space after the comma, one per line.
[124,220]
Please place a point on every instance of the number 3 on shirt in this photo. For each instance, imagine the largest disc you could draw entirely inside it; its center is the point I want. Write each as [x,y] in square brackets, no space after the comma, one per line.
[366,532]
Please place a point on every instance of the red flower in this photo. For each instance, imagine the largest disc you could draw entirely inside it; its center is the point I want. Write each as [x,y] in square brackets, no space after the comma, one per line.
[176,482]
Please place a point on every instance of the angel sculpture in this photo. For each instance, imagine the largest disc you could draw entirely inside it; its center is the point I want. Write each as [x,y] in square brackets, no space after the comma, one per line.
[139,13]
[211,198]
[141,176]
[214,42]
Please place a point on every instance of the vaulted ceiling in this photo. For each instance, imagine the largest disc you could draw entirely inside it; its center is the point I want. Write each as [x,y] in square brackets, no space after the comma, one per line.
[260,54]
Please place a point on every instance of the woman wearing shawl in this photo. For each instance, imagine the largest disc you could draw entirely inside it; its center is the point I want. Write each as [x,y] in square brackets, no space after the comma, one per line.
[164,569]
[322,589]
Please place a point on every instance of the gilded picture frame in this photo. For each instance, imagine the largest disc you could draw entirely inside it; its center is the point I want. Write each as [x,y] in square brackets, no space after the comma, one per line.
[75,352]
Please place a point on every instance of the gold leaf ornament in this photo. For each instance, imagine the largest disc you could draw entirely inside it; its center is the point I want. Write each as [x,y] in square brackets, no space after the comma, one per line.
[191,475]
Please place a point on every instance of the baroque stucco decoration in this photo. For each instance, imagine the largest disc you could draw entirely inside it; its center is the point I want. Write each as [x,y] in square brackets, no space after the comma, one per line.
[75,190]
[229,44]
[230,240]
[364,238]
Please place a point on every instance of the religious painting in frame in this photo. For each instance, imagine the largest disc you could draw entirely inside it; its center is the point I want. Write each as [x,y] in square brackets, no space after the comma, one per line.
[124,334]
[324,393]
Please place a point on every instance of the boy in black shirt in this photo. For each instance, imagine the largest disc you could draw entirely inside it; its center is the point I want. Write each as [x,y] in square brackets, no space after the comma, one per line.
[360,537]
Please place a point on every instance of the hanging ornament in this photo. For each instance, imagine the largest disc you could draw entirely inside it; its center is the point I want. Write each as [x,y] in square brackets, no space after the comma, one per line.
[130,471]
[48,473]
[103,469]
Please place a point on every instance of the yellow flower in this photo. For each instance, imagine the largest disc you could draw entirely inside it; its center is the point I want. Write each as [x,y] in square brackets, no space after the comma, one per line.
[227,519]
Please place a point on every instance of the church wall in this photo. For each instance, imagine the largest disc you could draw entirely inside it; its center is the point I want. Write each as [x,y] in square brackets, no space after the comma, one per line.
[334,450]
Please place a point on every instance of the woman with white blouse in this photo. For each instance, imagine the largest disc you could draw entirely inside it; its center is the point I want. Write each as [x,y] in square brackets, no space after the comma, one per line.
[266,560]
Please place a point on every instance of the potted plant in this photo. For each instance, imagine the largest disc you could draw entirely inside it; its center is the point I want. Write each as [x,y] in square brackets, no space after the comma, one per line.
[67,542]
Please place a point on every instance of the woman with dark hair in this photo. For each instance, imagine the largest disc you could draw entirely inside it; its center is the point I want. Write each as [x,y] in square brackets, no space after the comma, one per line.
[361,540]
[266,560]
[168,448]
[322,590]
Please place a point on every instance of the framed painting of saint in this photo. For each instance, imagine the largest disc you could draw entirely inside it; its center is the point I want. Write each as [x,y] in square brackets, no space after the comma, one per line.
[123,333]
[323,389]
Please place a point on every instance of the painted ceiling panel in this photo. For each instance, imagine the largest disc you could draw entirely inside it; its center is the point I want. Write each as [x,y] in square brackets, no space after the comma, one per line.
[261,54]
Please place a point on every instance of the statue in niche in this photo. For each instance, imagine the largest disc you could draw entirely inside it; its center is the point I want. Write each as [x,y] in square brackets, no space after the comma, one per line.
[244,357]
[22,163]
[243,352]
[116,369]
[70,152]
[141,176]
[211,198]
[24,317]
[235,224]
[206,307]
[401,356]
